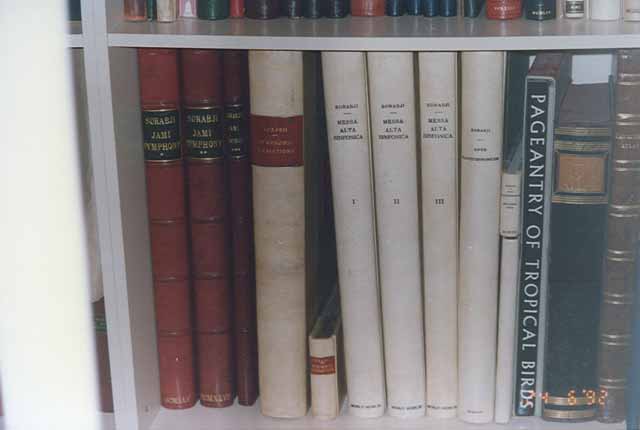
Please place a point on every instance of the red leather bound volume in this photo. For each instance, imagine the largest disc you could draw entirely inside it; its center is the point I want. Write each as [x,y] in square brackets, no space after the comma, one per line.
[504,9]
[236,8]
[236,98]
[166,205]
[210,262]
[367,7]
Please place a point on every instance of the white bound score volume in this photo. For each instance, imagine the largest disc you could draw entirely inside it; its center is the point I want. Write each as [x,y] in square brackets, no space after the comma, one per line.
[438,82]
[606,10]
[276,86]
[347,114]
[480,171]
[393,130]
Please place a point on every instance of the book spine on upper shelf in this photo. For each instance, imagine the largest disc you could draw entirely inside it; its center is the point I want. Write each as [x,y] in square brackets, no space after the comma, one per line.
[347,114]
[414,7]
[213,9]
[166,205]
[277,125]
[166,10]
[504,9]
[576,251]
[431,7]
[448,7]
[540,10]
[573,8]
[438,84]
[623,216]
[480,170]
[236,123]
[606,10]
[472,8]
[313,8]
[337,8]
[187,9]
[631,10]
[150,9]
[367,7]
[203,136]
[392,101]
[236,8]
[294,8]
[262,9]
[395,7]
[135,10]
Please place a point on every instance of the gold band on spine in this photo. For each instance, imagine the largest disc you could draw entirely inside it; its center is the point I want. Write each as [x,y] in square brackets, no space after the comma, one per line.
[569,415]
[583,131]
[580,200]
[576,146]
[568,401]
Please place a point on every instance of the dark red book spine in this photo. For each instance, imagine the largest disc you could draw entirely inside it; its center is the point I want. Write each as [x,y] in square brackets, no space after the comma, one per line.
[367,7]
[210,251]
[166,205]
[236,8]
[504,9]
[236,99]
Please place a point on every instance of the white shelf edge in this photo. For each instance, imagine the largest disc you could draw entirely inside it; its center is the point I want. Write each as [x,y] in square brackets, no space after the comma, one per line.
[241,417]
[404,33]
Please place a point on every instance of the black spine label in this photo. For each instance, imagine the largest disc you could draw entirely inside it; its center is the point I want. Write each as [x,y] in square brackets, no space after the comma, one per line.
[204,132]
[236,131]
[531,267]
[161,134]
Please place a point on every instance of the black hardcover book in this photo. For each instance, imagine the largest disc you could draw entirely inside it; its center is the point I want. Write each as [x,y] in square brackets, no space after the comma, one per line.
[74,10]
[337,8]
[414,7]
[431,7]
[578,214]
[540,10]
[313,8]
[294,8]
[448,7]
[262,9]
[544,88]
[395,7]
[472,8]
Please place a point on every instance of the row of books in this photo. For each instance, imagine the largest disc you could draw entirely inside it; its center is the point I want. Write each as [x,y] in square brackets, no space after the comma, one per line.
[454,302]
[170,10]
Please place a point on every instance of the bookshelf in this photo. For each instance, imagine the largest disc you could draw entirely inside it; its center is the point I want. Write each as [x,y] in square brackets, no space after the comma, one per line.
[114,134]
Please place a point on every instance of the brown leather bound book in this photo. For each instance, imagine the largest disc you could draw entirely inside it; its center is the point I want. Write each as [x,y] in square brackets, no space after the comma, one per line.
[102,356]
[367,7]
[204,138]
[236,112]
[166,206]
[504,9]
[623,215]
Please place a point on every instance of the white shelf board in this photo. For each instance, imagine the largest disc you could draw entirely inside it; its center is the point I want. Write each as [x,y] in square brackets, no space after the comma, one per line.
[406,33]
[245,418]
[74,37]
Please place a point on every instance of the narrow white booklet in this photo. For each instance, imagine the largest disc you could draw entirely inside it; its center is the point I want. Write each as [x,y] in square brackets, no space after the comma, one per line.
[438,84]
[393,130]
[347,115]
[480,170]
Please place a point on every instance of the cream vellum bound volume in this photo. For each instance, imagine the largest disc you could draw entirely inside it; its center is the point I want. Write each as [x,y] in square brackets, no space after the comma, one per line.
[276,85]
[393,130]
[480,171]
[438,83]
[347,115]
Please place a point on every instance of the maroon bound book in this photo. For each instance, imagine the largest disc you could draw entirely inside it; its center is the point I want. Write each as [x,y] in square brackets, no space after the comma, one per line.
[166,205]
[204,146]
[239,167]
[367,7]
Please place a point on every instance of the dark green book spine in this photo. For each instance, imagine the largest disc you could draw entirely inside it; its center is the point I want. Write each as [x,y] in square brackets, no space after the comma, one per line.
[213,9]
[151,10]
[540,10]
